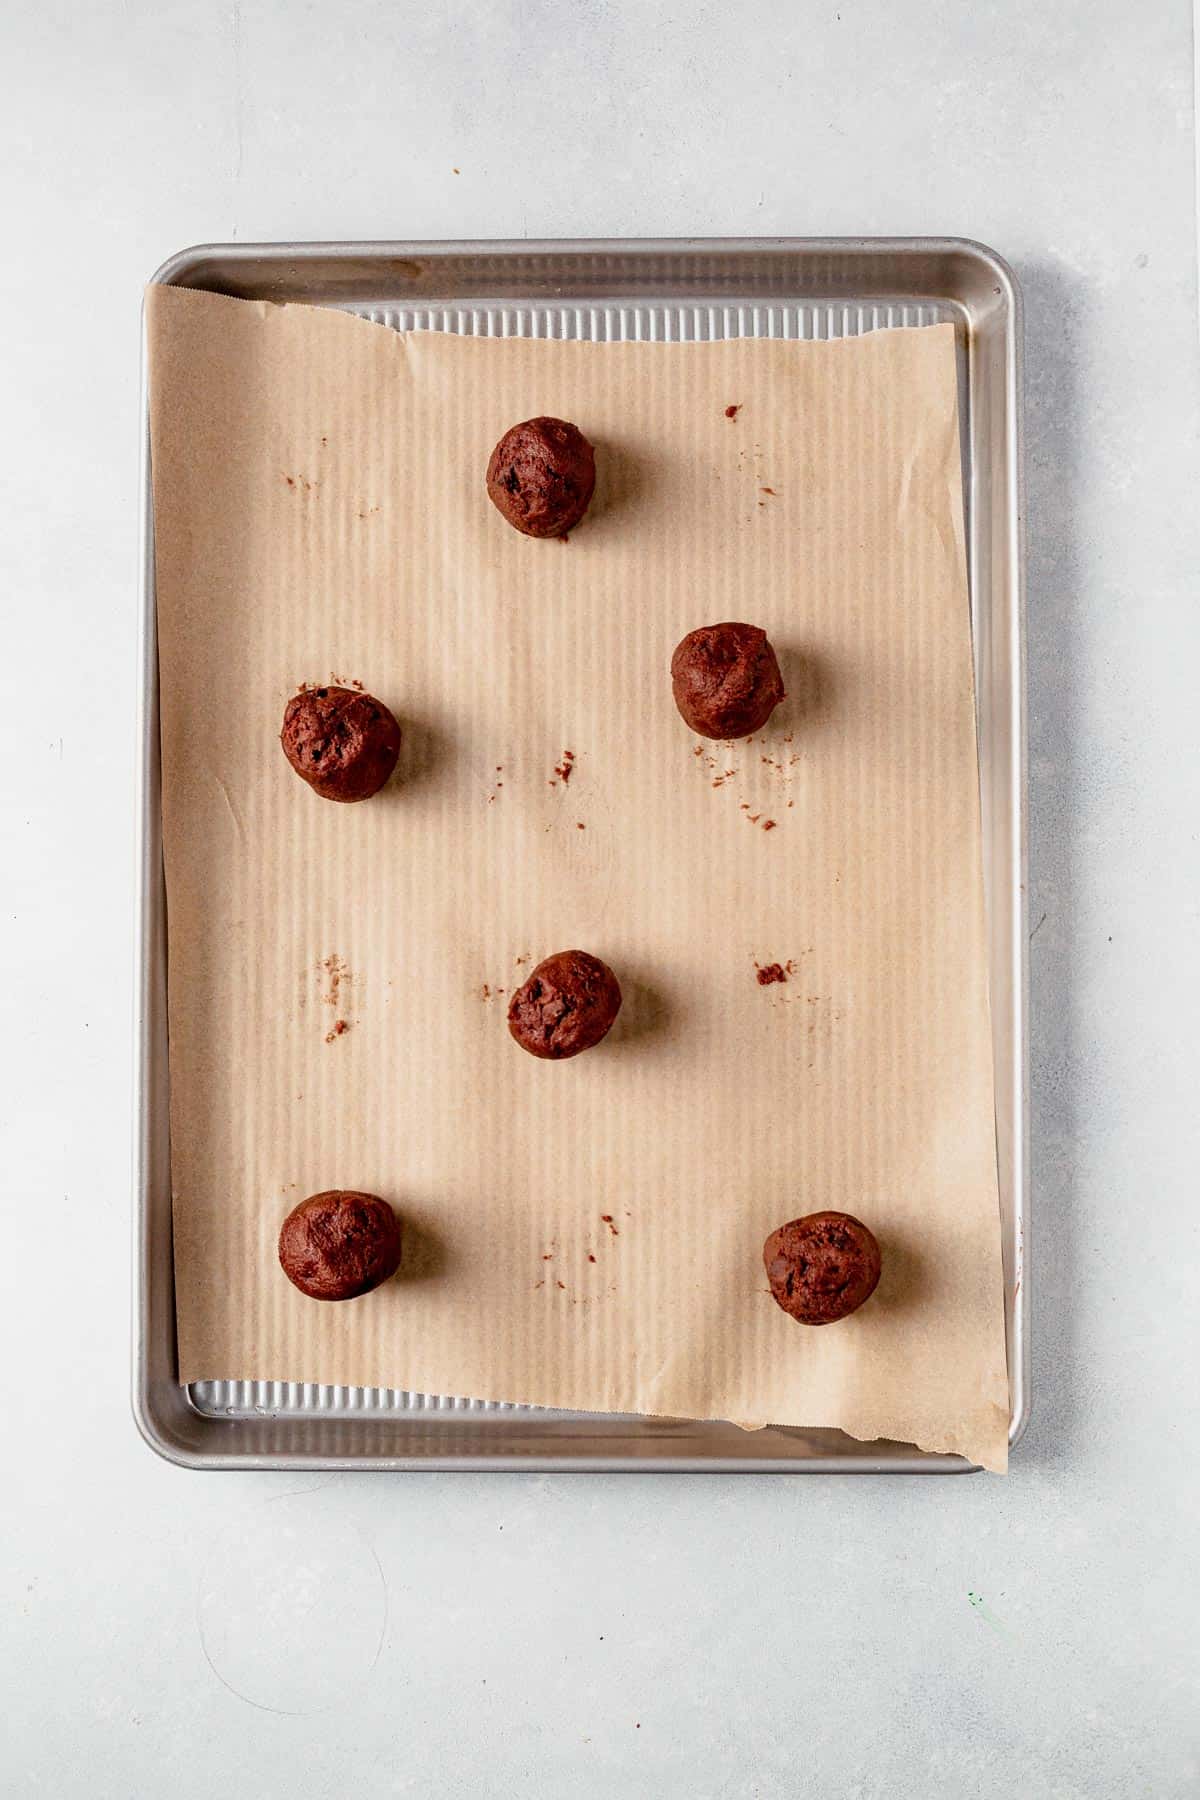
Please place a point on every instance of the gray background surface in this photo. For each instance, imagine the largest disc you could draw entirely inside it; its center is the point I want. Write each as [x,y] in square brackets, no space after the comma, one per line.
[169,1633]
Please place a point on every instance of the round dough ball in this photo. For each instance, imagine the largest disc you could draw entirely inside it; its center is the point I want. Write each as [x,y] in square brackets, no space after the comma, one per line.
[343,743]
[339,1244]
[822,1267]
[567,1005]
[541,475]
[726,680]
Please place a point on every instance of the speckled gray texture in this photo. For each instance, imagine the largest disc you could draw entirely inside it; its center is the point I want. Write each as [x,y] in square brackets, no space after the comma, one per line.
[690,1639]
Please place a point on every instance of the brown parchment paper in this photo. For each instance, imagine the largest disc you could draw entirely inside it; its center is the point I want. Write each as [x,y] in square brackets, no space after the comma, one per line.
[586,1234]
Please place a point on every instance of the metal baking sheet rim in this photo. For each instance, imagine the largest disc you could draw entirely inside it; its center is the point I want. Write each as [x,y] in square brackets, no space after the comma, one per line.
[274,1442]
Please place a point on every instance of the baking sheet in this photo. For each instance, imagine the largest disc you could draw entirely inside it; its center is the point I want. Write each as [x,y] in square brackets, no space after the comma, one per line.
[721,1106]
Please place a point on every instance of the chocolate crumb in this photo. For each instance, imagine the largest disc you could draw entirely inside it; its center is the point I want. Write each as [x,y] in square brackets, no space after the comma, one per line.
[769,824]
[772,972]
[607,1219]
[731,412]
[591,1258]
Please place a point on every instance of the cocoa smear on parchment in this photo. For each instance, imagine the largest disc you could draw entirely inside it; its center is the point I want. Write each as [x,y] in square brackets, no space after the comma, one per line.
[336,972]
[719,772]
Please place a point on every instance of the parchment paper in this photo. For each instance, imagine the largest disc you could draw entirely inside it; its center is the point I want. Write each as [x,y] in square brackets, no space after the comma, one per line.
[586,1234]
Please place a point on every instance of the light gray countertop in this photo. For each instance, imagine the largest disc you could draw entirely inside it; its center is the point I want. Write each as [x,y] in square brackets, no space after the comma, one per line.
[455,1636]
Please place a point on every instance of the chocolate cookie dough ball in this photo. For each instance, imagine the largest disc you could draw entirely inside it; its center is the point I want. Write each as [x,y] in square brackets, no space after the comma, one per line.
[726,680]
[336,1245]
[822,1267]
[343,743]
[541,475]
[567,1005]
